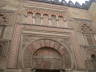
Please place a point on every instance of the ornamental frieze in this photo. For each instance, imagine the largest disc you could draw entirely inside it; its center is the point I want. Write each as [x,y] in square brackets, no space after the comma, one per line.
[44,17]
[46,11]
[37,42]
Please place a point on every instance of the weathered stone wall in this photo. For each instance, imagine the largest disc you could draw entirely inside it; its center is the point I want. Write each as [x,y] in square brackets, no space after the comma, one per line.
[33,21]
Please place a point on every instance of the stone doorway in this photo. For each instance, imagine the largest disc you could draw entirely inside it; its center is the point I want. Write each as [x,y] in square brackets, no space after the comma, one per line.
[46,54]
[47,58]
[47,70]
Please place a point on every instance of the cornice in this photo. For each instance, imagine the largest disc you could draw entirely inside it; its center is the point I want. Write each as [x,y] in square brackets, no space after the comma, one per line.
[44,6]
[85,5]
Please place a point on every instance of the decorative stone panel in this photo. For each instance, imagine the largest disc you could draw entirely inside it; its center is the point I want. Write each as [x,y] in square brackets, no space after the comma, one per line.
[3,19]
[44,17]
[33,47]
[4,46]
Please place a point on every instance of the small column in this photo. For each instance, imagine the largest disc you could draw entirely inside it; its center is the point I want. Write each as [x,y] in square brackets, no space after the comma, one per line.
[33,18]
[41,19]
[57,23]
[65,22]
[49,20]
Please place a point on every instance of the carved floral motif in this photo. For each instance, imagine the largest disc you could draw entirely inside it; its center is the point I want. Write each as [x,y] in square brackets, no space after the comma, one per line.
[3,19]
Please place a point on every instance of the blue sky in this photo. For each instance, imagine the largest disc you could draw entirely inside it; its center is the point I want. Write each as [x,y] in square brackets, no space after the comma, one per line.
[80,1]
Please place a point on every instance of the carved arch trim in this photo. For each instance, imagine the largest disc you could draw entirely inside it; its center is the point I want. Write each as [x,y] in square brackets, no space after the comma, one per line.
[63,50]
[35,45]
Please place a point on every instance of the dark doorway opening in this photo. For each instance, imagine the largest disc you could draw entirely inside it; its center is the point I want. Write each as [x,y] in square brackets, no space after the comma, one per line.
[47,70]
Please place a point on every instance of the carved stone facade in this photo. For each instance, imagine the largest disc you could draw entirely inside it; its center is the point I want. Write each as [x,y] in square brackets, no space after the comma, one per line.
[41,37]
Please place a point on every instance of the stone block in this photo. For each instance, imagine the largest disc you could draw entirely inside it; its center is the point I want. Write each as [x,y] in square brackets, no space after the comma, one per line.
[13,70]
